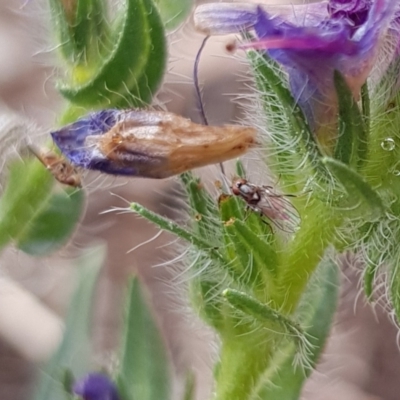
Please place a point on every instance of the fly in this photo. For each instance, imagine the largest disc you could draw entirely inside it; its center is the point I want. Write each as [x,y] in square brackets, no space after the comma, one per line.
[269,204]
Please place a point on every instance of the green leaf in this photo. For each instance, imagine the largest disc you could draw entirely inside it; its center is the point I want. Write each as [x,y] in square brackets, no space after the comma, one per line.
[142,90]
[356,187]
[73,353]
[81,28]
[120,68]
[54,224]
[174,12]
[26,195]
[351,146]
[315,313]
[144,369]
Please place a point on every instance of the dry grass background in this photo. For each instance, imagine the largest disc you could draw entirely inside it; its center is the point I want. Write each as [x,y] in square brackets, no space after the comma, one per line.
[362,360]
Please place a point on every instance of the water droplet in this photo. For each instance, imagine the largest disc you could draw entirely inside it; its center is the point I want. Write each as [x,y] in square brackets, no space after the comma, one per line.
[388,144]
[396,172]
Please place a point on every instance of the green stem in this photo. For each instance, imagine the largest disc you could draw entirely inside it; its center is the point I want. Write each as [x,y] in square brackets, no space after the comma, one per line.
[317,231]
[27,192]
[243,361]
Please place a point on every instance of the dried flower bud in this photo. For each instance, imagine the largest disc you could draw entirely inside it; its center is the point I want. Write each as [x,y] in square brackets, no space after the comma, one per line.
[151,144]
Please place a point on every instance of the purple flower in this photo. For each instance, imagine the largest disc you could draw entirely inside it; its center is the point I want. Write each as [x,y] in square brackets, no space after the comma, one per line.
[95,386]
[310,46]
[152,144]
[355,11]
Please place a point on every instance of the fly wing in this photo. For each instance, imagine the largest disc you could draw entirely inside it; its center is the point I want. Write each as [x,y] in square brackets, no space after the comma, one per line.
[279,211]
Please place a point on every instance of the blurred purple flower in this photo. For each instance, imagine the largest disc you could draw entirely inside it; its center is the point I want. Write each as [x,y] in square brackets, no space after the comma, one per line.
[95,386]
[345,37]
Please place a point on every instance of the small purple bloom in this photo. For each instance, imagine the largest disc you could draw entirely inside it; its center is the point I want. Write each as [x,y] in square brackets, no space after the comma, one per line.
[347,38]
[95,386]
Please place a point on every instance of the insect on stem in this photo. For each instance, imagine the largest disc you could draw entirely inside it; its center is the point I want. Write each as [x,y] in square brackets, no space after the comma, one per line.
[263,200]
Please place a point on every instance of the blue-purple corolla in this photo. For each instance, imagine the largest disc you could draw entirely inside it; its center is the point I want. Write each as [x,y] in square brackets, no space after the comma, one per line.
[310,42]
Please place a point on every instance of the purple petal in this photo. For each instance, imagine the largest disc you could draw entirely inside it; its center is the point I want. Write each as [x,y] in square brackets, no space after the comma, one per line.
[71,138]
[95,386]
[311,54]
[81,141]
[224,18]
[346,38]
[354,11]
[231,18]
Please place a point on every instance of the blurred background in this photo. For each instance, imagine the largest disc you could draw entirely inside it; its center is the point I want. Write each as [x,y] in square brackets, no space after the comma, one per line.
[362,359]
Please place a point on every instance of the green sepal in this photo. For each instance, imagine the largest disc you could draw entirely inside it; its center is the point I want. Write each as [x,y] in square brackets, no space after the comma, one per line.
[270,84]
[366,107]
[315,313]
[234,208]
[143,372]
[73,354]
[258,256]
[205,297]
[173,12]
[351,146]
[249,244]
[54,224]
[26,195]
[230,207]
[127,69]
[356,187]
[263,313]
[368,279]
[202,206]
[81,28]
